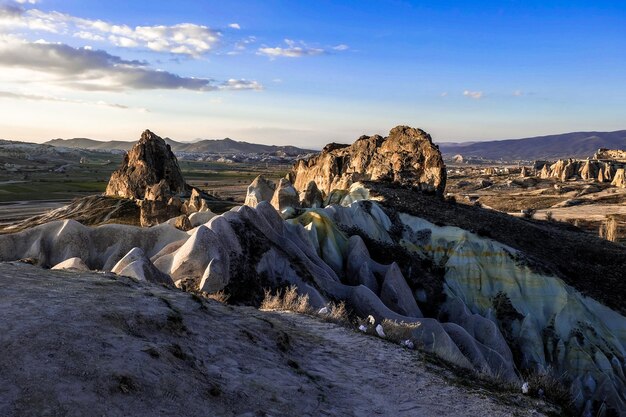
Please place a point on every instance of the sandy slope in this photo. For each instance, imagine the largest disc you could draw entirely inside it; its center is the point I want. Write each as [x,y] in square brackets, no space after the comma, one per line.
[89,344]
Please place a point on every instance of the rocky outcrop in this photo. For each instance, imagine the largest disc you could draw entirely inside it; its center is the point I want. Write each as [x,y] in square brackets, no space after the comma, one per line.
[587,170]
[524,172]
[150,161]
[311,196]
[407,156]
[610,154]
[259,190]
[620,178]
[158,205]
[285,196]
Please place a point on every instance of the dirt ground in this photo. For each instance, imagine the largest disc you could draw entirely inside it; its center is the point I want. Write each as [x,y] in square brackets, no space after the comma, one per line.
[76,344]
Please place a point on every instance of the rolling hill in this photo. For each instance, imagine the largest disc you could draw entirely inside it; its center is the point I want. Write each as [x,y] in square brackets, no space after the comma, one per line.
[566,145]
[226,145]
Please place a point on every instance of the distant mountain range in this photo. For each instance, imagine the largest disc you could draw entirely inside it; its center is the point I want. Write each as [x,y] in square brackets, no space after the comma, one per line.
[225,146]
[566,145]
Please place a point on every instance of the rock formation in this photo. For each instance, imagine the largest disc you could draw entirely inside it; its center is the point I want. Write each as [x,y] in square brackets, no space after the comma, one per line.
[158,205]
[524,172]
[610,154]
[147,163]
[259,190]
[488,286]
[587,170]
[620,179]
[285,196]
[407,156]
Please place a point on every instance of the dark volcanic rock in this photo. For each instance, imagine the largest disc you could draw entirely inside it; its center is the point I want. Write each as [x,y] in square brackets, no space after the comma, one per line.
[147,163]
[407,156]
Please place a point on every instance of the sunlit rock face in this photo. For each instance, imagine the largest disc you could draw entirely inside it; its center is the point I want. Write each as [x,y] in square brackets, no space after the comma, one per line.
[148,162]
[407,156]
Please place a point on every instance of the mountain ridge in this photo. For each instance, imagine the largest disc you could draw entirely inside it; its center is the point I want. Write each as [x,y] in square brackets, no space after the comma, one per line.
[226,145]
[558,146]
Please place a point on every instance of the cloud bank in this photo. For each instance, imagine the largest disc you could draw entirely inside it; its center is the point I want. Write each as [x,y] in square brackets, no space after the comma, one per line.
[87,69]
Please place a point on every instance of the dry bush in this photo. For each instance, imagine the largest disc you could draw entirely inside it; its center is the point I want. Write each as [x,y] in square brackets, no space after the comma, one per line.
[287,300]
[549,216]
[337,313]
[398,331]
[219,296]
[608,229]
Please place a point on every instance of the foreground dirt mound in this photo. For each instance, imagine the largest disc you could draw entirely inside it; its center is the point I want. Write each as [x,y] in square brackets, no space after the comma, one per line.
[92,344]
[148,162]
[407,156]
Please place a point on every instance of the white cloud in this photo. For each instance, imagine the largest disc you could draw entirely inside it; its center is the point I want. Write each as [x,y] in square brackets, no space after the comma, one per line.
[182,38]
[234,26]
[341,47]
[444,94]
[37,97]
[88,69]
[293,50]
[518,93]
[234,84]
[476,95]
[27,1]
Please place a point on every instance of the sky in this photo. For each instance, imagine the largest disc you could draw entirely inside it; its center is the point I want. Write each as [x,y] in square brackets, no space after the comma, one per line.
[307,73]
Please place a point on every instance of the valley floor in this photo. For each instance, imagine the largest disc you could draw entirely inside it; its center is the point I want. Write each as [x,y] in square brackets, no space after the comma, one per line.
[76,344]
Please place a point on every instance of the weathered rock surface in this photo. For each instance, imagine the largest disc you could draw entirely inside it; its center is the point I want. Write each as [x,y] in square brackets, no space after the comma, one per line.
[147,163]
[285,196]
[620,178]
[259,190]
[311,196]
[75,264]
[157,205]
[95,344]
[407,156]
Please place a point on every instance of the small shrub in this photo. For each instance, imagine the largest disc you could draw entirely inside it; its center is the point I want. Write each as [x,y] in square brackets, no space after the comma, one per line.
[337,313]
[549,216]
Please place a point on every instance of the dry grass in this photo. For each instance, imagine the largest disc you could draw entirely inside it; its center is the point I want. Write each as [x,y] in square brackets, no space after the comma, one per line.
[398,331]
[337,313]
[286,300]
[219,296]
[290,300]
[553,388]
[608,229]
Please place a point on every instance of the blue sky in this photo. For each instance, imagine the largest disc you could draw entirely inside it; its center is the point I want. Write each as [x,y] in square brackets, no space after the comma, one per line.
[310,72]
